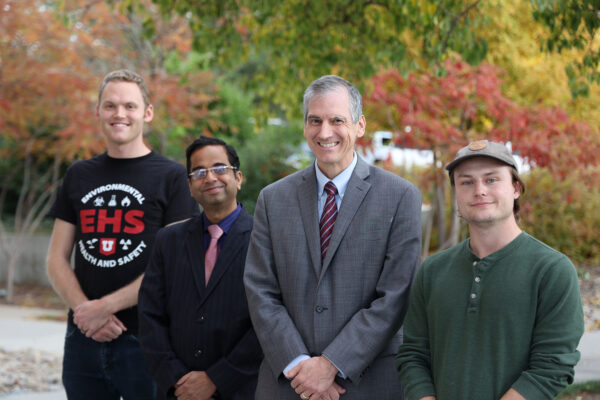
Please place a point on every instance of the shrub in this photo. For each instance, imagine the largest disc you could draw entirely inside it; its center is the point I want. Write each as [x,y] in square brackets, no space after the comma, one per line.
[565,214]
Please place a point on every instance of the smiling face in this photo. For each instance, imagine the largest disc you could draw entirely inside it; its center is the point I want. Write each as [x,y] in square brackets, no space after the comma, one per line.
[215,193]
[330,132]
[485,191]
[122,114]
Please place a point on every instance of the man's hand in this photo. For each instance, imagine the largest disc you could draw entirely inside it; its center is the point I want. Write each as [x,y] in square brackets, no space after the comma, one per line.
[195,385]
[110,330]
[332,393]
[90,316]
[312,377]
[512,394]
[428,398]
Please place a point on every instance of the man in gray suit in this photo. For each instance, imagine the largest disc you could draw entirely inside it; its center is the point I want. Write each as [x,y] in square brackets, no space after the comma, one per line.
[331,259]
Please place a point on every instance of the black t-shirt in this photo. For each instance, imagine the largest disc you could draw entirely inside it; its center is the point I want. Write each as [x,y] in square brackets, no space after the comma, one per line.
[117,206]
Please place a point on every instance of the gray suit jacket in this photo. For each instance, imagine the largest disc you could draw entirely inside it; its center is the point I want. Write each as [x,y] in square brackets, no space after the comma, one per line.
[350,306]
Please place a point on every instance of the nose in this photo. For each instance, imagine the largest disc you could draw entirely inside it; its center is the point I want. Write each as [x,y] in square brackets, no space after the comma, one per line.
[480,189]
[325,130]
[210,176]
[120,111]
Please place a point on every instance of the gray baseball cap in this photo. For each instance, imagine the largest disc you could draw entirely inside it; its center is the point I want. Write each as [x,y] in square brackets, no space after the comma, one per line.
[483,148]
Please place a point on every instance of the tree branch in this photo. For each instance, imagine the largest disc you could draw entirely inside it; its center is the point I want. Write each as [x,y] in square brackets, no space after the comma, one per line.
[455,21]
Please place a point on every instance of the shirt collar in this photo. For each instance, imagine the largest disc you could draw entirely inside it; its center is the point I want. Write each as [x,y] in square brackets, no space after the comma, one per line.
[340,181]
[226,223]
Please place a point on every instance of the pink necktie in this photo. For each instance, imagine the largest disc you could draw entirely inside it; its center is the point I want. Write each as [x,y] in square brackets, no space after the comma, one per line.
[210,258]
[328,217]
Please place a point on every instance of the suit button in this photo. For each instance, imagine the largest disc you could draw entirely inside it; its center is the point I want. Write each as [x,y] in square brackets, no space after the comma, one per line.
[198,354]
[319,309]
[201,319]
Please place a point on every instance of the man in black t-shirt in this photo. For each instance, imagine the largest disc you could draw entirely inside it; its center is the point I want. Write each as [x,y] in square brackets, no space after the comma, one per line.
[108,211]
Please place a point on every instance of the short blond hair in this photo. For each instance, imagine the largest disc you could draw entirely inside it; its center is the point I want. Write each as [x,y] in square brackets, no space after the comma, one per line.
[124,75]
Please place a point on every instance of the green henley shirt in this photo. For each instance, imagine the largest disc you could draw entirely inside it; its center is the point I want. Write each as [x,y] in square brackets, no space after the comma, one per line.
[477,327]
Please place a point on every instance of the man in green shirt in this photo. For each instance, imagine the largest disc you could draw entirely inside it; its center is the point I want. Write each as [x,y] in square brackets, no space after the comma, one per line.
[499,315]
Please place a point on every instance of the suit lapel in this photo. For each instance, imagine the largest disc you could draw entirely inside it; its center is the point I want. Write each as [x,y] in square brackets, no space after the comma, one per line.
[355,193]
[194,245]
[307,200]
[229,251]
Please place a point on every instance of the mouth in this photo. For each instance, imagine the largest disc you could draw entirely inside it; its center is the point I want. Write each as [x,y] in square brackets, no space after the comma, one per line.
[327,145]
[212,189]
[481,204]
[119,124]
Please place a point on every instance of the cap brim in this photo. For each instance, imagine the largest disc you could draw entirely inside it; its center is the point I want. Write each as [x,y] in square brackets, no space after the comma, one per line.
[457,161]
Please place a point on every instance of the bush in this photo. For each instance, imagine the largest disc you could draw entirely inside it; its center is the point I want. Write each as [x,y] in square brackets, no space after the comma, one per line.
[565,214]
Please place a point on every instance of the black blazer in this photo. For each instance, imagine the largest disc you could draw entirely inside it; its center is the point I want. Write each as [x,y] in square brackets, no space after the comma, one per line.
[187,326]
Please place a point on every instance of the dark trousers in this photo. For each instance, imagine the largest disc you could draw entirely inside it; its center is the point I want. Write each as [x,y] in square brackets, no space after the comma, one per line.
[105,371]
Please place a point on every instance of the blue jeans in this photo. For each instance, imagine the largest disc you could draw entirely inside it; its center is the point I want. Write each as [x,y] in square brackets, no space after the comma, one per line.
[105,371]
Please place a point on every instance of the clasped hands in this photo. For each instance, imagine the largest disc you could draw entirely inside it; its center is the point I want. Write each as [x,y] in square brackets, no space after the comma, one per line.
[96,322]
[314,379]
[195,385]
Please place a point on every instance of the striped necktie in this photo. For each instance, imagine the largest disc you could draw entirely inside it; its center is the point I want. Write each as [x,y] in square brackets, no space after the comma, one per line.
[328,217]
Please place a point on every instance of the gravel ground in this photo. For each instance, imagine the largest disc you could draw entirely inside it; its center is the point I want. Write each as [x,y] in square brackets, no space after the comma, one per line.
[29,371]
[590,297]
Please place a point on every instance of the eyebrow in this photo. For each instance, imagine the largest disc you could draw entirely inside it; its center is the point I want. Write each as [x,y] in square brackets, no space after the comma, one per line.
[492,172]
[219,164]
[331,117]
[111,101]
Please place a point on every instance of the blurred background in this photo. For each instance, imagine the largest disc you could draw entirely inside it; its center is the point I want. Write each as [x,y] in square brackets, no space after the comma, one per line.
[434,75]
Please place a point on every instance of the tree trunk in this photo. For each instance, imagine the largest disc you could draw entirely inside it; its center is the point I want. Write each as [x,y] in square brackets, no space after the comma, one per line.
[454,221]
[10,281]
[440,211]
[428,230]
[15,255]
[29,218]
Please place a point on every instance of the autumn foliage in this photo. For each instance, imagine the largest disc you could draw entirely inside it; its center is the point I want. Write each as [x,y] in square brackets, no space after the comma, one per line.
[43,80]
[51,69]
[466,103]
[442,112]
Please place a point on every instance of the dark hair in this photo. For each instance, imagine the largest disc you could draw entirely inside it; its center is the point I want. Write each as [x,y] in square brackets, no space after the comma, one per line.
[329,83]
[123,75]
[515,178]
[203,141]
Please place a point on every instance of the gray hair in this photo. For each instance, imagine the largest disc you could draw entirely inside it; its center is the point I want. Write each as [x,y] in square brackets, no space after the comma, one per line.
[124,75]
[329,83]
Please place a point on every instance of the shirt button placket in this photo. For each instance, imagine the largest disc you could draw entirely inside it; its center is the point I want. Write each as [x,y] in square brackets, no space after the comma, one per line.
[475,289]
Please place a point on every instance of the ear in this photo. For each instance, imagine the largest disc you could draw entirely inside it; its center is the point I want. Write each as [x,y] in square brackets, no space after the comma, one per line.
[518,189]
[362,126]
[238,179]
[149,113]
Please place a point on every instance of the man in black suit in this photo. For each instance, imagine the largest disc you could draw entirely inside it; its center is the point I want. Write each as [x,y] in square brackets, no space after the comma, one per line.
[195,329]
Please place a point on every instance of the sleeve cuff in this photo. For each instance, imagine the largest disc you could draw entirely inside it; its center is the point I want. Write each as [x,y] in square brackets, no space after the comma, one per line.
[340,373]
[295,362]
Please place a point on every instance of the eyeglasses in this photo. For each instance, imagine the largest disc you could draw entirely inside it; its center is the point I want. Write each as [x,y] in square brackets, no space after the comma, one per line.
[203,172]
